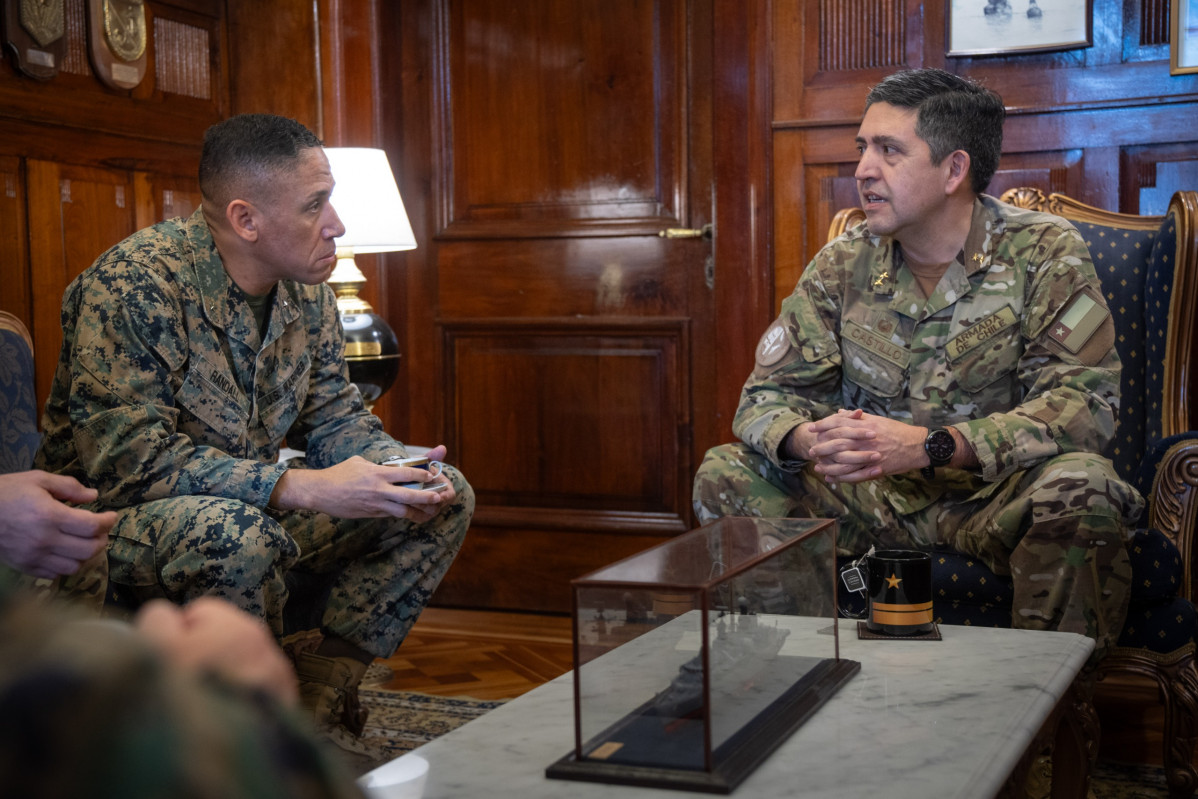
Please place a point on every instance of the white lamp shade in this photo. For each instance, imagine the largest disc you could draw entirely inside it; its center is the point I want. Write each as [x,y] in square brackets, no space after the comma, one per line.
[368,202]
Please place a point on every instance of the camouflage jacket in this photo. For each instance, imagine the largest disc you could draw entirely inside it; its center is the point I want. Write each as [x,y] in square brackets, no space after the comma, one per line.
[164,387]
[1015,349]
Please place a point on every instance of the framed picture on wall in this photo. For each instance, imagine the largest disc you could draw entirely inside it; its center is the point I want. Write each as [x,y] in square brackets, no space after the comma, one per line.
[1183,39]
[1011,27]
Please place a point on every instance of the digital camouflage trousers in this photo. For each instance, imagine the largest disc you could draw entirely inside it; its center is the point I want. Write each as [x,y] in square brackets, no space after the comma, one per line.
[363,580]
[1059,530]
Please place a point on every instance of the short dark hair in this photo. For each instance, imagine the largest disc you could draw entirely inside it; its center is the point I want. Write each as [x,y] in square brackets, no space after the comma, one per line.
[247,148]
[954,113]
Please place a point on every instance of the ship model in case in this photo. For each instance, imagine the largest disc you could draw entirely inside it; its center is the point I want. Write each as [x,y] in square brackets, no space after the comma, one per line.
[695,659]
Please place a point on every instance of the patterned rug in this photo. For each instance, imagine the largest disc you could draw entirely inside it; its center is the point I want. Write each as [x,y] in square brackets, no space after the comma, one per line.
[401,721]
[1120,781]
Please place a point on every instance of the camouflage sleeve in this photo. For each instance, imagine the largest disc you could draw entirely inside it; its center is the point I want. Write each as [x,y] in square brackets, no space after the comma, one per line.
[334,424]
[797,374]
[125,349]
[1069,368]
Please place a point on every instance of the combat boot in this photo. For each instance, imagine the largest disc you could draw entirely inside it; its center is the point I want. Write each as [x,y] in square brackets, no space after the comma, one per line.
[329,698]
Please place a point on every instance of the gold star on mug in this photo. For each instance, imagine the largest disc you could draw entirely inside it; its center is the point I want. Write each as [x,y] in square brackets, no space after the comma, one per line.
[893,580]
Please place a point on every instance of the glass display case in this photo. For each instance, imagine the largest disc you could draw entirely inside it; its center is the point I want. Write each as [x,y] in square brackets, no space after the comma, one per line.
[696,658]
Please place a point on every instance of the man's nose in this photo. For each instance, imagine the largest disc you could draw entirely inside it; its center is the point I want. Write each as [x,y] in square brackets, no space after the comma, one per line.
[865,167]
[336,229]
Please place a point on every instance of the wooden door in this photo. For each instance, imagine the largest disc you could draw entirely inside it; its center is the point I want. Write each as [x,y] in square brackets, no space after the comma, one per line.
[561,348]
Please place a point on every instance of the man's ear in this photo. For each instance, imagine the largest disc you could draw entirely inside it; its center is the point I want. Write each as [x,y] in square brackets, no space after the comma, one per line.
[243,219]
[958,171]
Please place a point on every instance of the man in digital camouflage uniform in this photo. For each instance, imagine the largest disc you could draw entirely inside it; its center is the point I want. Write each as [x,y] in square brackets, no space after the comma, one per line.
[944,374]
[191,352]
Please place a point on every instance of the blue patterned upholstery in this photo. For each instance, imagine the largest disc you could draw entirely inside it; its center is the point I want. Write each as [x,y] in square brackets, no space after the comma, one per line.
[1122,261]
[19,437]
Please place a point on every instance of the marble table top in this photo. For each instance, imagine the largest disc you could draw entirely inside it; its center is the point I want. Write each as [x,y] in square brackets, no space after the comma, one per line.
[947,718]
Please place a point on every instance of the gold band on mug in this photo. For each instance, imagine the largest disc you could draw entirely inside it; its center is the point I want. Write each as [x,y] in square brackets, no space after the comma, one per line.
[902,615]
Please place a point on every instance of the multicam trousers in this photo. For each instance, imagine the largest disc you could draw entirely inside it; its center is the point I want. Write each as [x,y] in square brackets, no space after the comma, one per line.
[363,580]
[1059,530]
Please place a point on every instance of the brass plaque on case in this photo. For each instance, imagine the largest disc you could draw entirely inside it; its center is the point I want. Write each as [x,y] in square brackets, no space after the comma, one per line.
[117,41]
[34,35]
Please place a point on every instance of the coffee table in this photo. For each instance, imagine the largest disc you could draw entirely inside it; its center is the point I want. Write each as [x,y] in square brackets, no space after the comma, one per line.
[949,718]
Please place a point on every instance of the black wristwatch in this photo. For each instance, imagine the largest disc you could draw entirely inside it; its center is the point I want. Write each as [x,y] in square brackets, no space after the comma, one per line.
[940,446]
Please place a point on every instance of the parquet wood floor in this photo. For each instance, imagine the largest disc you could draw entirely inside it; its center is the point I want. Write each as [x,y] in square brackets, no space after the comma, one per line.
[482,654]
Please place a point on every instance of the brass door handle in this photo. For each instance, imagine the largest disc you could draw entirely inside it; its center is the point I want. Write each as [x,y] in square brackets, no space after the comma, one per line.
[704,232]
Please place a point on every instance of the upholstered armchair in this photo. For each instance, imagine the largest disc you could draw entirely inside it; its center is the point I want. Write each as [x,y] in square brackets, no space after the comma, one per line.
[1148,267]
[19,437]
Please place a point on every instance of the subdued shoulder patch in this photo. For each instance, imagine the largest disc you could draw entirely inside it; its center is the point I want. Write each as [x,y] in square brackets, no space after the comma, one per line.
[773,345]
[1078,321]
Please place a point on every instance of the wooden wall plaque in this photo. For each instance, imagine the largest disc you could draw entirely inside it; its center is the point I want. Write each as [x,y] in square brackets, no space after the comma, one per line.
[117,41]
[33,35]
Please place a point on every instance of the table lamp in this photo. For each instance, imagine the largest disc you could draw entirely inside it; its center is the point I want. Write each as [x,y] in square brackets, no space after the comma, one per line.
[368,202]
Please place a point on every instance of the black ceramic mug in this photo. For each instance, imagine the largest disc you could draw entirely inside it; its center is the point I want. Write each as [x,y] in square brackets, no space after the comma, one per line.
[899,582]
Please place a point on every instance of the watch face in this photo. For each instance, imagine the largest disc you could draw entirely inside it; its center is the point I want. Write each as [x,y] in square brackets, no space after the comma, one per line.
[940,446]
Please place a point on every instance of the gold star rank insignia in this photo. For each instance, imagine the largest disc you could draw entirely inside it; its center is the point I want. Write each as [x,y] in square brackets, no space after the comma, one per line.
[881,279]
[977,258]
[893,580]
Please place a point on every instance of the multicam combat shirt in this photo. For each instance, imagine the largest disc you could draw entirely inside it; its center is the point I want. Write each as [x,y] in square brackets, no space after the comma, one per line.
[1015,347]
[165,388]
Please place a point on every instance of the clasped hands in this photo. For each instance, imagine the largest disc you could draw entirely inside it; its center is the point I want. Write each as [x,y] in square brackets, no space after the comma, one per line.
[359,489]
[854,446]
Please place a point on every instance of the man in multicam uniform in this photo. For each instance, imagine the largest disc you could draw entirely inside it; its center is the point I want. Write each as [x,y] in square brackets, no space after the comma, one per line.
[191,352]
[944,374]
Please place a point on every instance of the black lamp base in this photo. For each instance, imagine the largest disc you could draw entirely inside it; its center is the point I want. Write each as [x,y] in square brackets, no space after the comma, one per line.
[372,353]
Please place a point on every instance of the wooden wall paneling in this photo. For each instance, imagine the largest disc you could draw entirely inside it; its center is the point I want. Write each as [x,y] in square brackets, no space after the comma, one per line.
[15,293]
[743,250]
[406,89]
[1152,173]
[350,49]
[351,42]
[160,197]
[1096,131]
[75,100]
[189,56]
[1145,30]
[827,54]
[75,214]
[1051,170]
[274,58]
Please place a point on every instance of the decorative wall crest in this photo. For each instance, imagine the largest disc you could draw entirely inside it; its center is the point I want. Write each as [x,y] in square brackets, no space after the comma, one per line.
[34,35]
[44,20]
[125,28]
[117,38]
